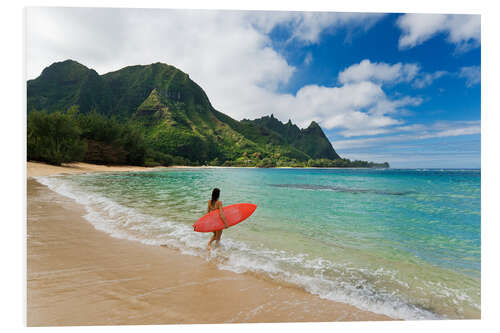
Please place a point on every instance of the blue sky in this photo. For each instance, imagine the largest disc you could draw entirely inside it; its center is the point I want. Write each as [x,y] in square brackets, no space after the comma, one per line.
[401,88]
[449,98]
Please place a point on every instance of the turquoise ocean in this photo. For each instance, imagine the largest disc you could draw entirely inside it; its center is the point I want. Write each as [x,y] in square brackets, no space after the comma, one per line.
[400,242]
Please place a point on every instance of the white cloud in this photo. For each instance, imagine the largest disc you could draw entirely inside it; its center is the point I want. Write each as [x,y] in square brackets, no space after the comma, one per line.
[455,132]
[472,75]
[388,106]
[384,73]
[462,30]
[308,58]
[426,79]
[110,38]
[355,108]
[417,132]
[307,27]
[378,72]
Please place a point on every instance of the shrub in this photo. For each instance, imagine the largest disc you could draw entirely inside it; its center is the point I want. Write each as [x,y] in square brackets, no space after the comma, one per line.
[54,138]
[126,139]
[132,141]
[151,163]
[154,156]
[266,163]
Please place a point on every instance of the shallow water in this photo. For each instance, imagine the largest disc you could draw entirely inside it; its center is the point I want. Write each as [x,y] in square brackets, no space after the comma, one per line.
[405,243]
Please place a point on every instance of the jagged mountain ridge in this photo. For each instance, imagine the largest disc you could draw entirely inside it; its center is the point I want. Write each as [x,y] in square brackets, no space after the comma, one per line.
[312,140]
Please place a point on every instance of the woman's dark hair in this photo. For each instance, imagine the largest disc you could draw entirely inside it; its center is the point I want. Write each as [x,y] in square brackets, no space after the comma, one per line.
[215,195]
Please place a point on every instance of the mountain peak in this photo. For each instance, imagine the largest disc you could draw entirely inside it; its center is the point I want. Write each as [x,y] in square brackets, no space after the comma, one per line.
[314,125]
[67,62]
[68,66]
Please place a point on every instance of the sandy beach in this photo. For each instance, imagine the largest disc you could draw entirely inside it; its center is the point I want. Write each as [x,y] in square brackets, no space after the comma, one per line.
[77,275]
[35,169]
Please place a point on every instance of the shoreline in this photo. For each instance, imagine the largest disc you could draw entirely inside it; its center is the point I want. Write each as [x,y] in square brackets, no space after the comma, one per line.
[77,275]
[38,169]
[35,169]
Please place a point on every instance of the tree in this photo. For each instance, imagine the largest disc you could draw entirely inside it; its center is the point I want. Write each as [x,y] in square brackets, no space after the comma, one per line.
[54,138]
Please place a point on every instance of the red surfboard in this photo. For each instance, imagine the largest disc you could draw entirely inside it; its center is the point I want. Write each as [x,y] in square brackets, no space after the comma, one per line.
[234,214]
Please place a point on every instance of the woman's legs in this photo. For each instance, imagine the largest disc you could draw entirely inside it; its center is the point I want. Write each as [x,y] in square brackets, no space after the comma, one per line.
[218,235]
[211,240]
[215,237]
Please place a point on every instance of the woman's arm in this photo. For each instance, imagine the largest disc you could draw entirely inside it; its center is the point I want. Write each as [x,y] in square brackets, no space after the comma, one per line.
[221,213]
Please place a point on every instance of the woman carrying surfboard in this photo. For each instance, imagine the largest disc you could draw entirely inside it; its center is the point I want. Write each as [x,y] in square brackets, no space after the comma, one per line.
[214,204]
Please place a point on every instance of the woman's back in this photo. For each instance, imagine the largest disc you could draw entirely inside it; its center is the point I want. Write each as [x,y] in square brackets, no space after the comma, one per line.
[215,206]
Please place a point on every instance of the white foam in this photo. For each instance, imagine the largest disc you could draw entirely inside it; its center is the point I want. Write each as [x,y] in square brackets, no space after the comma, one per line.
[340,289]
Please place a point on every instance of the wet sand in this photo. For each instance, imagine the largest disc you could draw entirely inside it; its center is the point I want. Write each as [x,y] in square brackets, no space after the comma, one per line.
[77,275]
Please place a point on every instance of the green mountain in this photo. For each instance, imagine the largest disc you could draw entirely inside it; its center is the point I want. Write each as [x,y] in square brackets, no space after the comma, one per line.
[172,115]
[68,83]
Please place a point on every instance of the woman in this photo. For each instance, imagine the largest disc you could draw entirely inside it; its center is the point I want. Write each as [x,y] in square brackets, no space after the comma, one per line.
[214,204]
